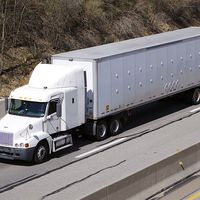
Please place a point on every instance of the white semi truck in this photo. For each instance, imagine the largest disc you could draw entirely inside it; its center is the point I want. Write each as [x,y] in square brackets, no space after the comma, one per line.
[95,88]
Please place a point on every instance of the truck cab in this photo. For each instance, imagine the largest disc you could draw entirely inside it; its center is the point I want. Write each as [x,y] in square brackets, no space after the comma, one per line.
[41,112]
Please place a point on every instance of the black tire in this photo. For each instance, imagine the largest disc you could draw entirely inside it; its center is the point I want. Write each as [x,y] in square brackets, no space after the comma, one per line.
[115,126]
[101,130]
[41,153]
[195,96]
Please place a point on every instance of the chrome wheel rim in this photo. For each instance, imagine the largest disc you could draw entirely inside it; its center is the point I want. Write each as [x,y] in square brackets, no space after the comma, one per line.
[41,153]
[198,96]
[114,127]
[101,130]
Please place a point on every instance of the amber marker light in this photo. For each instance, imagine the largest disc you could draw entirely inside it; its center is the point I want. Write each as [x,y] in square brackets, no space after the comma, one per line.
[26,145]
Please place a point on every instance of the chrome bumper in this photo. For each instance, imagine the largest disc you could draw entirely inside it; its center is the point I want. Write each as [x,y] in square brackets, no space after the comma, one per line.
[15,153]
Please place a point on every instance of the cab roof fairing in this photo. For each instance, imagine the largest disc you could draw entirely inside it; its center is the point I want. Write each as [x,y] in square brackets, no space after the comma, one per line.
[28,93]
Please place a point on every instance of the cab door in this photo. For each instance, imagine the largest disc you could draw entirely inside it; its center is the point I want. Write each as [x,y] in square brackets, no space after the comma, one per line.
[53,123]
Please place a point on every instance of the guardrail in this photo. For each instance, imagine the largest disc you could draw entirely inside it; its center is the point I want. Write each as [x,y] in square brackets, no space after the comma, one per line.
[147,182]
[3,107]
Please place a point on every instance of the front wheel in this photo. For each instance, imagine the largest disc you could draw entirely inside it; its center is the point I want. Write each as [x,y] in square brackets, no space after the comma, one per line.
[41,153]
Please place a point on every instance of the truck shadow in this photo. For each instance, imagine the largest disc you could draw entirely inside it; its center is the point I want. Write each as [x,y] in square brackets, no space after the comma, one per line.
[142,115]
[155,110]
[79,142]
[16,162]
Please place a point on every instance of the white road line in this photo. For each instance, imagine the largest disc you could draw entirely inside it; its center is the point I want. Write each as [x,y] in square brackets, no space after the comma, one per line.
[195,110]
[101,148]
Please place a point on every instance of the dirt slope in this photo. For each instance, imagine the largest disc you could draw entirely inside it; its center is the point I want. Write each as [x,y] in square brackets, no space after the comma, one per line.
[33,30]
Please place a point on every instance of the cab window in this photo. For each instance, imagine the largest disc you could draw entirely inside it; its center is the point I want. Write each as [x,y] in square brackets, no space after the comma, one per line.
[52,106]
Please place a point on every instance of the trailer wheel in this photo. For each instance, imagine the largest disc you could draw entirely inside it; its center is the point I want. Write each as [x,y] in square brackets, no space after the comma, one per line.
[115,126]
[41,153]
[101,130]
[196,96]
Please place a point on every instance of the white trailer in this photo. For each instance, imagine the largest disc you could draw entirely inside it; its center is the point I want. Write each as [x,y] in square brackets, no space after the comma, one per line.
[133,72]
[95,88]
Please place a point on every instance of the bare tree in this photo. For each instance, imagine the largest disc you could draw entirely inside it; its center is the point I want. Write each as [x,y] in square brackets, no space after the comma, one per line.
[20,23]
[4,4]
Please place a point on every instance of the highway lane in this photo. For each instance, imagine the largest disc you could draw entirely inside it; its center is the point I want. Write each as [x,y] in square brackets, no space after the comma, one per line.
[148,117]
[86,176]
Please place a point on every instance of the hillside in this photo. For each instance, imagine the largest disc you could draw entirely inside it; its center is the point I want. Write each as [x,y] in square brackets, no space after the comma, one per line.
[31,30]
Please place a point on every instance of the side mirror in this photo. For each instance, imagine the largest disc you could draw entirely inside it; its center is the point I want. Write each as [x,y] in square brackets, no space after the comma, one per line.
[7,103]
[58,109]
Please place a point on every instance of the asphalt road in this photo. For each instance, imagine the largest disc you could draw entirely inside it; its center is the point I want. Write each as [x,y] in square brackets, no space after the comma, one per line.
[145,119]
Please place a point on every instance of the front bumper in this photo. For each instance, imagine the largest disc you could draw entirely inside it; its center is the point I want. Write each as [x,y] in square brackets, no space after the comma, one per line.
[16,153]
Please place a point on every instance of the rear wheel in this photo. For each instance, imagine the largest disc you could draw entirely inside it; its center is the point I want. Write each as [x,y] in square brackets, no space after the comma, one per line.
[101,130]
[193,96]
[41,153]
[196,96]
[115,126]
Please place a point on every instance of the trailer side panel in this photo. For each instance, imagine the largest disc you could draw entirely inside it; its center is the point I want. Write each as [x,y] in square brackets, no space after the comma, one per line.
[138,77]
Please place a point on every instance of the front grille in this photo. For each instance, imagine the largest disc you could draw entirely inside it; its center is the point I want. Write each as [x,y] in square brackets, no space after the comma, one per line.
[6,139]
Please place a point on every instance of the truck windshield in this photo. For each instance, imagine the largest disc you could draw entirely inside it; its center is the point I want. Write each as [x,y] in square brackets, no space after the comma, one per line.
[27,108]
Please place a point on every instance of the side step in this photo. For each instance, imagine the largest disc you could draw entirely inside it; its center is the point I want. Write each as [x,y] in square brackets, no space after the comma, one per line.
[62,142]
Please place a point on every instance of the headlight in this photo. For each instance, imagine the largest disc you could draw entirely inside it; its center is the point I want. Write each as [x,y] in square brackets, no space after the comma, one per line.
[16,145]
